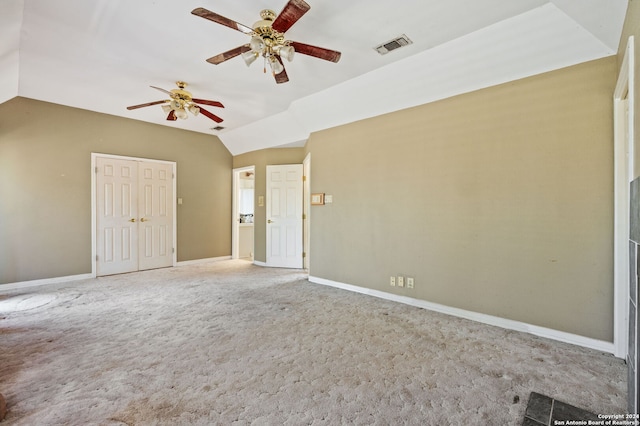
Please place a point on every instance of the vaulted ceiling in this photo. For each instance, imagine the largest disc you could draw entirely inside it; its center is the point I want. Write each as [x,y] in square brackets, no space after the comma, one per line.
[103,55]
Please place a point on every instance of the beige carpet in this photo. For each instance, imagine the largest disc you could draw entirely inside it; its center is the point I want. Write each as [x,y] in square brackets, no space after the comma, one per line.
[233,344]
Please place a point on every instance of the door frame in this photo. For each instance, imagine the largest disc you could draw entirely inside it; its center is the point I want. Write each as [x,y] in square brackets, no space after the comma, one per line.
[94,212]
[306,211]
[623,174]
[235,220]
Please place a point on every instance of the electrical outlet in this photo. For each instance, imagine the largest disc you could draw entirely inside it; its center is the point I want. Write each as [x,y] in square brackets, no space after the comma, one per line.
[400,281]
[410,282]
[392,281]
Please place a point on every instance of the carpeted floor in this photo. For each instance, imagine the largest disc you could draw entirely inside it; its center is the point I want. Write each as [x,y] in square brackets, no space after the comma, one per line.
[231,343]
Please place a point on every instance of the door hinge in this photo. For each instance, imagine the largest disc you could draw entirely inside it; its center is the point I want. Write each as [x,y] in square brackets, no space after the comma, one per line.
[304,255]
[96,257]
[96,170]
[304,216]
[173,250]
[304,178]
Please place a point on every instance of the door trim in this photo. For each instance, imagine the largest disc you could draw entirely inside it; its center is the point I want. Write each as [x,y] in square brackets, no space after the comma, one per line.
[306,211]
[623,153]
[94,156]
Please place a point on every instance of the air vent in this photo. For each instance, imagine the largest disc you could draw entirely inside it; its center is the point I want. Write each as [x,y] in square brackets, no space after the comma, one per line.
[217,128]
[394,44]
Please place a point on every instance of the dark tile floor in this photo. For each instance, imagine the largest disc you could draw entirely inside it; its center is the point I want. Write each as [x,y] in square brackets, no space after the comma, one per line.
[542,410]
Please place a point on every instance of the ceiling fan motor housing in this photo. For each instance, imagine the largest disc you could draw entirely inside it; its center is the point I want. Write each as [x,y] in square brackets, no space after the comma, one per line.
[271,39]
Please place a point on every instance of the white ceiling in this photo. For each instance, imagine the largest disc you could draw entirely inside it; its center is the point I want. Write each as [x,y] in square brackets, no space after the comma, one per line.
[102,55]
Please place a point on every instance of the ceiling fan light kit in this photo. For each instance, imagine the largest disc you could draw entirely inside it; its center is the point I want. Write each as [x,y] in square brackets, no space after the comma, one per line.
[249,57]
[267,43]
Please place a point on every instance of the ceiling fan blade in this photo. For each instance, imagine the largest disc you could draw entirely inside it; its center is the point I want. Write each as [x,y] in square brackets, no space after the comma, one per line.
[206,102]
[211,116]
[172,116]
[290,15]
[225,56]
[166,91]
[219,19]
[146,105]
[318,52]
[282,77]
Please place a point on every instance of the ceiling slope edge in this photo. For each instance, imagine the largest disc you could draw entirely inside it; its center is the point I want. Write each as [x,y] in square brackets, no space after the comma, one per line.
[277,130]
[603,19]
[10,29]
[534,42]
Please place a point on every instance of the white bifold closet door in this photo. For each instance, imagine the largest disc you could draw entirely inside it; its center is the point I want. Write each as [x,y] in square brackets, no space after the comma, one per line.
[134,215]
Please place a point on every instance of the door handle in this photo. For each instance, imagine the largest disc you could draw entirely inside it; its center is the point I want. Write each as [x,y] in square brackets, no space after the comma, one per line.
[132,220]
[269,221]
[143,220]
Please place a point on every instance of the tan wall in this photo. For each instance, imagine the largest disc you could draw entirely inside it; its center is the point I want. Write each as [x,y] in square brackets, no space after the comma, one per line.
[45,191]
[261,159]
[498,201]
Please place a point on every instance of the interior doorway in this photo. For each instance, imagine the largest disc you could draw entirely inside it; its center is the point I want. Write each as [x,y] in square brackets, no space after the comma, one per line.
[242,226]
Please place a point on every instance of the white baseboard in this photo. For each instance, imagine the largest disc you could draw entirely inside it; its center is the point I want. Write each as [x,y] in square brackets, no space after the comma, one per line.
[548,333]
[198,261]
[57,280]
[46,281]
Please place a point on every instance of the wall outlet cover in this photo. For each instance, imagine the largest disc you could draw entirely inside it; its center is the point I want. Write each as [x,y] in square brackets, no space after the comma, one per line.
[410,282]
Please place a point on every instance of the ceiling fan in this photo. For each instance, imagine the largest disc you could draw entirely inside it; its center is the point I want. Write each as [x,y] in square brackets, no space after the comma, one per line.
[267,39]
[181,101]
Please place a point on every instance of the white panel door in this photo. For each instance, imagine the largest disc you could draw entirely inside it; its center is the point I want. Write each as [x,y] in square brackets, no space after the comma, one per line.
[284,216]
[116,216]
[134,215]
[155,183]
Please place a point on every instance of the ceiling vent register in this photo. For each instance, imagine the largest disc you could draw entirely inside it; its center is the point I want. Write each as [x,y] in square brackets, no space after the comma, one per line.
[394,44]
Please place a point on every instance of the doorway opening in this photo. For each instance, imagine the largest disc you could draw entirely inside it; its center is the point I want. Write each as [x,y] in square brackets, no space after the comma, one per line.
[242,238]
